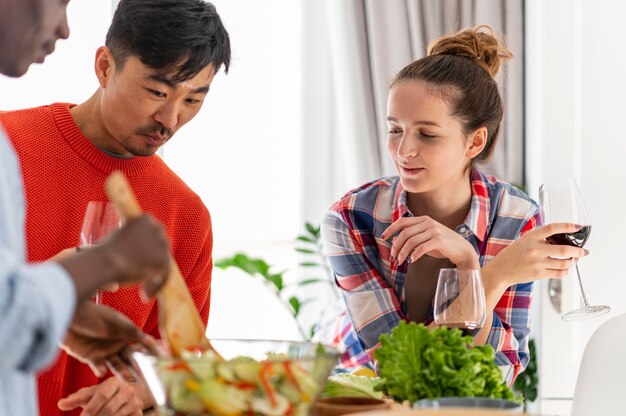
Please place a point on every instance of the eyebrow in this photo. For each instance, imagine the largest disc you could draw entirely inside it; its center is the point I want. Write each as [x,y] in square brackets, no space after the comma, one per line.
[163,80]
[415,123]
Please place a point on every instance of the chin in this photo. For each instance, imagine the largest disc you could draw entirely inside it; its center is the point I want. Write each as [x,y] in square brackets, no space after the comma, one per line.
[412,186]
[143,152]
[418,186]
[13,70]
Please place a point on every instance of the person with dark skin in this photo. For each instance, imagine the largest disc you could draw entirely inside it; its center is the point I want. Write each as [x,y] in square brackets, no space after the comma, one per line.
[39,302]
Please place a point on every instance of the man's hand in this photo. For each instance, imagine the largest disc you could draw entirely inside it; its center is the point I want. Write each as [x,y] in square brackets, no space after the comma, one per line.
[99,336]
[112,397]
[65,253]
[138,251]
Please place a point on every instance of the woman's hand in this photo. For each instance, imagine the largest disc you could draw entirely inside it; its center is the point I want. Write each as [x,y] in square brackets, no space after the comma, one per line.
[531,257]
[423,235]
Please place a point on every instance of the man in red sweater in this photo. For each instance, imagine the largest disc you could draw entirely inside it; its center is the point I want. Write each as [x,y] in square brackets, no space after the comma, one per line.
[154,73]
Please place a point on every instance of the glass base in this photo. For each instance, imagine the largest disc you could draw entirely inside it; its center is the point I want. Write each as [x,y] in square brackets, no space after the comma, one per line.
[585,312]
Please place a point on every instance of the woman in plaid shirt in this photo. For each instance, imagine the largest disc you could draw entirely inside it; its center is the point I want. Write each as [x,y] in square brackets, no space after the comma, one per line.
[388,239]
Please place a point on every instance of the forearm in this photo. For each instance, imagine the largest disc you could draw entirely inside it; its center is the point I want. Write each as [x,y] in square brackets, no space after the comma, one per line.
[37,305]
[494,287]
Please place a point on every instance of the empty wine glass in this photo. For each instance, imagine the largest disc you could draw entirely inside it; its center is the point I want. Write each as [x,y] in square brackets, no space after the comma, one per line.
[100,220]
[561,201]
[460,300]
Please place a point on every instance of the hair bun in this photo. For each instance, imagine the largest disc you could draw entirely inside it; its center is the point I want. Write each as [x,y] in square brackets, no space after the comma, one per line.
[478,43]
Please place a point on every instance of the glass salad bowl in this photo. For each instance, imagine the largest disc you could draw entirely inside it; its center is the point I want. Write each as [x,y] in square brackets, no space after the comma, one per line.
[252,377]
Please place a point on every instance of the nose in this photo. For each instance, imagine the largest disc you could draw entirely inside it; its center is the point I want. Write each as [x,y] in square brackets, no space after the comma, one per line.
[408,147]
[63,31]
[167,115]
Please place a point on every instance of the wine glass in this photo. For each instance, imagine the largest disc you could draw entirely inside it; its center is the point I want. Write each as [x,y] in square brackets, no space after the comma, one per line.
[460,300]
[100,220]
[561,201]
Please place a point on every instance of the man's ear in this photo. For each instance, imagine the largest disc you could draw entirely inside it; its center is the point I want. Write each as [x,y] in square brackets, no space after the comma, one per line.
[104,65]
[476,142]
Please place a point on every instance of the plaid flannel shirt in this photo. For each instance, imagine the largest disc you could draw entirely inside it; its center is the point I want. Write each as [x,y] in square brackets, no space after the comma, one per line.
[373,287]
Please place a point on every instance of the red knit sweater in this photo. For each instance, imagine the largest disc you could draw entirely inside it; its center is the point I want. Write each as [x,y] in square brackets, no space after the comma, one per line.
[63,171]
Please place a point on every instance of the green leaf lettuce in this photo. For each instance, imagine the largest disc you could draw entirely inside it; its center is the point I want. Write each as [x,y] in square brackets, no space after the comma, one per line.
[345,384]
[417,363]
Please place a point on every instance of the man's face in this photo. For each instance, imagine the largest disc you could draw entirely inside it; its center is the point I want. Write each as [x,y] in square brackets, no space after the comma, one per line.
[28,32]
[140,108]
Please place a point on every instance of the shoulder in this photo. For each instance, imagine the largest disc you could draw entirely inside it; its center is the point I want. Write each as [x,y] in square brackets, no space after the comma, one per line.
[367,196]
[25,121]
[175,192]
[505,199]
[364,207]
[27,127]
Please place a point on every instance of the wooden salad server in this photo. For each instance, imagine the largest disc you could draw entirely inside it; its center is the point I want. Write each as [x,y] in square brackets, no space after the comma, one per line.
[180,323]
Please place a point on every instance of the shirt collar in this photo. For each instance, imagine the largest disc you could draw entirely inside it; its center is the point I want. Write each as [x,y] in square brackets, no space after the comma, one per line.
[477,218]
[400,209]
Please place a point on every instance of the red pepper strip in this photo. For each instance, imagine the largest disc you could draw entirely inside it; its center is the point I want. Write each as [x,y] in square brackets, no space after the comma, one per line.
[267,386]
[179,366]
[290,410]
[292,378]
[244,385]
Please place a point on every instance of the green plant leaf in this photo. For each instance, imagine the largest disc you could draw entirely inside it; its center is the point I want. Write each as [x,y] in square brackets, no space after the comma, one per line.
[260,266]
[531,395]
[276,280]
[240,261]
[312,229]
[295,304]
[306,239]
[309,264]
[224,262]
[244,262]
[305,250]
[311,281]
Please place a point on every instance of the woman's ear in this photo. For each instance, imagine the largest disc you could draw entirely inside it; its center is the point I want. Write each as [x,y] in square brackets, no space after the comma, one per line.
[104,65]
[476,142]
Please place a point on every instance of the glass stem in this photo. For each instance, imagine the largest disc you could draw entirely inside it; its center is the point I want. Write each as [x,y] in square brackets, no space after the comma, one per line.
[580,284]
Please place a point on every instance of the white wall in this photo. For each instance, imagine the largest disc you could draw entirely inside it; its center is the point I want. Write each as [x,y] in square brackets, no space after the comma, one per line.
[582,136]
[241,154]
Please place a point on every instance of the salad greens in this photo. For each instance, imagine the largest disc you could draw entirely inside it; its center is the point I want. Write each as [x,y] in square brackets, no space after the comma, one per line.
[416,363]
[208,385]
[345,384]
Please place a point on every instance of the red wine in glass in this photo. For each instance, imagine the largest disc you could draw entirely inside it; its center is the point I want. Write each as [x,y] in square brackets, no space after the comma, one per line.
[576,239]
[561,201]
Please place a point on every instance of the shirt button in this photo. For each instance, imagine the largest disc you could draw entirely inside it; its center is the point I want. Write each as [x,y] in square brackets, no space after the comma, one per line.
[463,229]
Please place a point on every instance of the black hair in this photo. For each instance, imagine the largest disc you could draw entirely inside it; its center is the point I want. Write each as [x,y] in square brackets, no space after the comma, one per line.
[184,36]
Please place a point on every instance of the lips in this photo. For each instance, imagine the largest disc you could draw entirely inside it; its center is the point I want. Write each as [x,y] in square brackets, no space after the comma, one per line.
[155,139]
[410,171]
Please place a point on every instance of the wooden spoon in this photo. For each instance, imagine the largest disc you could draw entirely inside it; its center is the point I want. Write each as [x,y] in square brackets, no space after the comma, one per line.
[179,320]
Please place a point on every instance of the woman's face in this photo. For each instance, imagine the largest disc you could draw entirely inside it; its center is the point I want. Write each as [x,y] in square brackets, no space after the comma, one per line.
[426,144]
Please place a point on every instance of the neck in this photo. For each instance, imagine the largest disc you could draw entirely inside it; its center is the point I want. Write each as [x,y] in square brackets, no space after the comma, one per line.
[449,204]
[88,118]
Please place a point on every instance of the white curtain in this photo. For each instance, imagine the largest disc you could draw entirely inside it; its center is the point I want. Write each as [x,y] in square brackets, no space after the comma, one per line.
[353,49]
